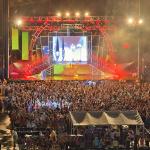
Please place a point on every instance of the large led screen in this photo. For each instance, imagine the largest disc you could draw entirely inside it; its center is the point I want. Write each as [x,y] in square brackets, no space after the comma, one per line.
[70,49]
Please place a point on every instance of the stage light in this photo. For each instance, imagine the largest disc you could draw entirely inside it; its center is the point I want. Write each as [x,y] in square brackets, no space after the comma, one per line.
[77,14]
[18,22]
[140,21]
[130,21]
[58,14]
[67,14]
[86,14]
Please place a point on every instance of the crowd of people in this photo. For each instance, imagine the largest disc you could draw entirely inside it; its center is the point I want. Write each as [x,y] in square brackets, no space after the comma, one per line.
[32,102]
[46,104]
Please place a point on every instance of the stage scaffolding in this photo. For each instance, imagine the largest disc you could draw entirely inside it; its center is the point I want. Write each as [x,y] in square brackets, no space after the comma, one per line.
[96,28]
[95,43]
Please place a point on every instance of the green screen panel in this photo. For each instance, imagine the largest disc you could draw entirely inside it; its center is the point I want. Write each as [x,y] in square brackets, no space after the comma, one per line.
[25,45]
[15,39]
[58,69]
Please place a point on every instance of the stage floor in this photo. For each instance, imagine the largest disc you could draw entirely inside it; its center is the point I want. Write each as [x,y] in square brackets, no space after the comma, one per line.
[68,72]
[77,77]
[79,72]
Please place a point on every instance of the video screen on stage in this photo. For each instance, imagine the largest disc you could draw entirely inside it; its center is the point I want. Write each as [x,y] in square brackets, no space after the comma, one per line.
[70,49]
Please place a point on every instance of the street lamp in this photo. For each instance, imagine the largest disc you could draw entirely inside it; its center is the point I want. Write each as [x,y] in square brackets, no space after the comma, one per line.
[137,23]
[130,21]
[140,21]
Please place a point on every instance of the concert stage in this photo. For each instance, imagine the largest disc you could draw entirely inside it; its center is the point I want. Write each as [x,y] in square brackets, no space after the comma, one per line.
[54,48]
[77,72]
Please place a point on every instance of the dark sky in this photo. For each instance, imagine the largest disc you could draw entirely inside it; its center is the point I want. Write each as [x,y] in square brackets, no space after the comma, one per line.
[95,7]
[116,8]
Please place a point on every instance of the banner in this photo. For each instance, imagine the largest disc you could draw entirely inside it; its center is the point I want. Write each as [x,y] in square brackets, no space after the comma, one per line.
[15,39]
[25,45]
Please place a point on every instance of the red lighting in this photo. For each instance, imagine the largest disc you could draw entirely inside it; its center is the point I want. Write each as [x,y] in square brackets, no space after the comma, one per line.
[126,45]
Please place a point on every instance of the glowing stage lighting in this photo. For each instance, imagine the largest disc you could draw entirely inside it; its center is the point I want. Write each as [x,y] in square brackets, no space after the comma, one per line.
[130,21]
[86,14]
[58,14]
[18,22]
[77,14]
[140,21]
[67,14]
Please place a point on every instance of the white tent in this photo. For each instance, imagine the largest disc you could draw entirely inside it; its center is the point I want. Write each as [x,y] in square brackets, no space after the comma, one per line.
[106,118]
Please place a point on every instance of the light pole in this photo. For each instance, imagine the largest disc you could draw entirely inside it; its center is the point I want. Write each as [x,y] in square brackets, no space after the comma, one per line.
[136,23]
[5,35]
[138,61]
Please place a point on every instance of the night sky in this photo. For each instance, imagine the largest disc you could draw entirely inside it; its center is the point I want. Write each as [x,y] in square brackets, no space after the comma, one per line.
[121,38]
[95,7]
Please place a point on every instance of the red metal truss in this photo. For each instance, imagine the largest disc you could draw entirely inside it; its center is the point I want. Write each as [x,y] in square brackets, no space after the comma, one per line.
[54,19]
[38,24]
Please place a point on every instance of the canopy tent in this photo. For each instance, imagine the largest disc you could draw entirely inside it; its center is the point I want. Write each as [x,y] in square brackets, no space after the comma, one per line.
[106,118]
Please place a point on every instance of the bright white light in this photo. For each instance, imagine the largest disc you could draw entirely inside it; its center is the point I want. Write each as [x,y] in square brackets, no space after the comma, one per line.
[67,14]
[77,14]
[58,14]
[18,22]
[57,53]
[130,20]
[86,14]
[140,21]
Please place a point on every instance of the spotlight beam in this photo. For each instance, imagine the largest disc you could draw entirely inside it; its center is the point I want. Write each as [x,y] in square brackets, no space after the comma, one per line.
[86,14]
[58,14]
[67,14]
[77,14]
